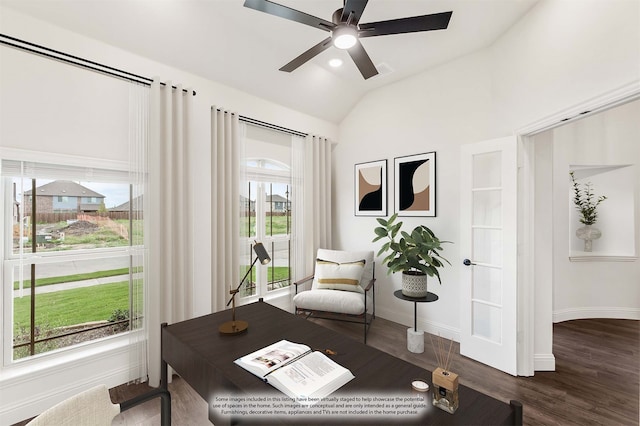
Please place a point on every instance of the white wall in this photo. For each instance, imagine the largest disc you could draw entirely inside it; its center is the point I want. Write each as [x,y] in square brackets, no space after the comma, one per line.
[416,115]
[18,398]
[562,53]
[48,106]
[606,286]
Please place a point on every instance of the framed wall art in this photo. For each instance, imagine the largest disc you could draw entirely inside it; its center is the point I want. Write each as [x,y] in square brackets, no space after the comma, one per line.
[371,188]
[415,185]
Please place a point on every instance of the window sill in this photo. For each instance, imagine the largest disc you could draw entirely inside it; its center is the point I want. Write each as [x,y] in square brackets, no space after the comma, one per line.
[65,358]
[600,257]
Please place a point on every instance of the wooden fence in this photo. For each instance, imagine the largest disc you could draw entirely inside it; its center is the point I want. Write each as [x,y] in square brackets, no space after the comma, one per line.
[62,217]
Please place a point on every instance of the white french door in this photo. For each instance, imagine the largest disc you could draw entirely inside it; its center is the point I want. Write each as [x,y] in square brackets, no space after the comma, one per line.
[489,247]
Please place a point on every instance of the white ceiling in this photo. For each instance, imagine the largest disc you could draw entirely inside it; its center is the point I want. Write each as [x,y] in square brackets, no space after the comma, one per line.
[223,41]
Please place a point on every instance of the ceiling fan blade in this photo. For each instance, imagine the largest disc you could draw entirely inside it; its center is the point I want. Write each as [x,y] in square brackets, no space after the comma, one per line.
[309,54]
[353,6]
[288,13]
[436,21]
[362,60]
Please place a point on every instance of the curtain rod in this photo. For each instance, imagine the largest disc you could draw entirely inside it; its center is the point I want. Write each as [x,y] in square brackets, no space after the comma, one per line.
[271,126]
[266,125]
[78,61]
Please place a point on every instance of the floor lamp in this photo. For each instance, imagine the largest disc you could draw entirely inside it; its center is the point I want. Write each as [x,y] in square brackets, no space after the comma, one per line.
[233,326]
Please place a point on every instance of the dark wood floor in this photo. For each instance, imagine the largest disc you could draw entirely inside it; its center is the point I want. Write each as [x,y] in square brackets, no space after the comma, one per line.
[596,381]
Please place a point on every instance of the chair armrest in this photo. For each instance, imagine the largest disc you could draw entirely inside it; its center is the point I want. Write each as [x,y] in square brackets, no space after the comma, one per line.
[370,285]
[304,280]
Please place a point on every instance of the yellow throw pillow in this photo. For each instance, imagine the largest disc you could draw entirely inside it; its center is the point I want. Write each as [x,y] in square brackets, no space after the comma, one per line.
[339,276]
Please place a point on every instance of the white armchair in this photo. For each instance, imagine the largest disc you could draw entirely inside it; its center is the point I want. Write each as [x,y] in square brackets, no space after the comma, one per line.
[342,289]
[93,407]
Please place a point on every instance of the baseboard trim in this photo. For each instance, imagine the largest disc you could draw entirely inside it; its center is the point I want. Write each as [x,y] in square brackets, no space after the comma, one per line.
[544,362]
[431,327]
[596,312]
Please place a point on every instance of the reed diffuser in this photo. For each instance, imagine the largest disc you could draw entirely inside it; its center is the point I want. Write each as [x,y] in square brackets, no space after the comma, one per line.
[445,383]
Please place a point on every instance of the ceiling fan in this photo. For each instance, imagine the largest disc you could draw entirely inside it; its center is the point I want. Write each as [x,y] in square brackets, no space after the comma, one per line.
[346,31]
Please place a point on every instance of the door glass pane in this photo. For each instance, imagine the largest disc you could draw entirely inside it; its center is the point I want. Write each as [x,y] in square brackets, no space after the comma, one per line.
[487,169]
[487,284]
[277,210]
[487,207]
[248,210]
[278,273]
[247,256]
[487,322]
[487,246]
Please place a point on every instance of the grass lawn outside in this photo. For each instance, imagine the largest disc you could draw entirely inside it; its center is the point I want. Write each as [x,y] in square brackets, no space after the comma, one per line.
[96,303]
[75,277]
[275,225]
[56,312]
[70,307]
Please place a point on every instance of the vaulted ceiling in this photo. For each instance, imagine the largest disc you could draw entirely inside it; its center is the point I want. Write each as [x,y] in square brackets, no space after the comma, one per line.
[243,48]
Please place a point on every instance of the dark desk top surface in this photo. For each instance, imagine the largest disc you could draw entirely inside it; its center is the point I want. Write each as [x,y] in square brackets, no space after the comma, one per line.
[204,358]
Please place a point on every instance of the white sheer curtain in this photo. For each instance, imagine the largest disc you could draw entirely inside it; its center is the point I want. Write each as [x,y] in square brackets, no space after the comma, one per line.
[168,227]
[311,200]
[225,204]
[138,157]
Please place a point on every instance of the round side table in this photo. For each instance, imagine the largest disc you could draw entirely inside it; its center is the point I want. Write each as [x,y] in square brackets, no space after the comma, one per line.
[415,337]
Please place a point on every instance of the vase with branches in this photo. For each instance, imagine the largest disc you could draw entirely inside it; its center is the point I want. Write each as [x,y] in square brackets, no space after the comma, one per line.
[587,204]
[586,201]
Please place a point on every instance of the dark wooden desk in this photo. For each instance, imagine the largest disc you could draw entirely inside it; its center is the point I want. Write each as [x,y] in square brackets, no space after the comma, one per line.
[204,359]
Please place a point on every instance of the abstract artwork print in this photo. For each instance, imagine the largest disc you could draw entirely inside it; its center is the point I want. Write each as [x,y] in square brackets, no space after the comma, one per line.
[371,188]
[415,185]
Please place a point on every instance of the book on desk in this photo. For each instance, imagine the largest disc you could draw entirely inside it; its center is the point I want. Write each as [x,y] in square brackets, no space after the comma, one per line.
[297,371]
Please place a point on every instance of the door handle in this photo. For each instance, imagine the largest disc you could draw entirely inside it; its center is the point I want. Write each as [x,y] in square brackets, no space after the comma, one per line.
[467,262]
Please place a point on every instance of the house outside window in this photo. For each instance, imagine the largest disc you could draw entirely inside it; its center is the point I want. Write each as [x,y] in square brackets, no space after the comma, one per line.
[73,275]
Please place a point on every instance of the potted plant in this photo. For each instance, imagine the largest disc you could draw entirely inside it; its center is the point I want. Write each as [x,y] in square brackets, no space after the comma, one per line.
[416,255]
[587,204]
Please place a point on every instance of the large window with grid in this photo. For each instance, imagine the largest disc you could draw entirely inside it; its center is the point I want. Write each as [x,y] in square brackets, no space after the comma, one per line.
[72,256]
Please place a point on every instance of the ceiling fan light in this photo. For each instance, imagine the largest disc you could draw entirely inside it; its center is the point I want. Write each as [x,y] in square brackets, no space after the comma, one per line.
[335,62]
[344,37]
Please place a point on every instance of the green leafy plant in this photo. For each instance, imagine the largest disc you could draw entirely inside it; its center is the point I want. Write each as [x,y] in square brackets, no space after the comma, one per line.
[119,315]
[585,200]
[417,251]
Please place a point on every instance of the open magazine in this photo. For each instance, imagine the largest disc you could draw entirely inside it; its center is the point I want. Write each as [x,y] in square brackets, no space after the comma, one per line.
[294,369]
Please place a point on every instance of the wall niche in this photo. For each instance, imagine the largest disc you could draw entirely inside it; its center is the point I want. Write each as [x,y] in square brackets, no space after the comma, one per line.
[616,219]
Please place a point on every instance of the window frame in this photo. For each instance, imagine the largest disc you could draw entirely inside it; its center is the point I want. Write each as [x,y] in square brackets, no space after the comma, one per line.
[8,259]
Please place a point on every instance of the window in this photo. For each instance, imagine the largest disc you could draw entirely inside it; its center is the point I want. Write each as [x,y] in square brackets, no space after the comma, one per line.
[266,217]
[74,275]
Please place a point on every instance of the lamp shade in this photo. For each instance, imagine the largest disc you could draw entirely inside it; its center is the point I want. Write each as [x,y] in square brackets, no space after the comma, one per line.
[261,252]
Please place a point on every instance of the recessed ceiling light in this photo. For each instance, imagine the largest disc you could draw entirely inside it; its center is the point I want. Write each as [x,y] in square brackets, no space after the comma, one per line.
[335,62]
